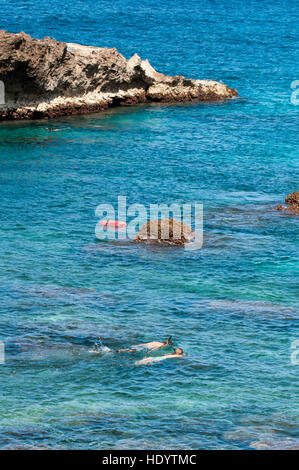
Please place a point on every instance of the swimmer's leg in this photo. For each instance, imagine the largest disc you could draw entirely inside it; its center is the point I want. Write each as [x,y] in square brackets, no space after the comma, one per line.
[125,350]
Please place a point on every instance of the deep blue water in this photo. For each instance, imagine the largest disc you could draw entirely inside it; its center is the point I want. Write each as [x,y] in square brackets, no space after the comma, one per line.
[232,306]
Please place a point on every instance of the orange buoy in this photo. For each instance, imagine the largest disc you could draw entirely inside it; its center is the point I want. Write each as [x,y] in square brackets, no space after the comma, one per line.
[113,223]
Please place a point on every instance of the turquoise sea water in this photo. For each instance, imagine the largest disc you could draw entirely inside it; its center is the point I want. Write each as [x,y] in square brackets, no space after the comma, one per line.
[232,306]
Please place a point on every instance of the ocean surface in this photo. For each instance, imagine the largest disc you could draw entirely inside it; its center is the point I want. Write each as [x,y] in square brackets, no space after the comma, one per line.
[68,300]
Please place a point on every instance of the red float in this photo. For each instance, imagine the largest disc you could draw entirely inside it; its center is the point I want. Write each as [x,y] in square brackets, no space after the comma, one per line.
[113,223]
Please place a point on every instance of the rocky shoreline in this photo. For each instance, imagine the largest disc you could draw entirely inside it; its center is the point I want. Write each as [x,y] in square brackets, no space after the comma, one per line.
[292,203]
[47,79]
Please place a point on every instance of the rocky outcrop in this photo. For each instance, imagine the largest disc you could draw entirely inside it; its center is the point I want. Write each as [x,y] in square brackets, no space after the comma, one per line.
[46,78]
[292,203]
[165,231]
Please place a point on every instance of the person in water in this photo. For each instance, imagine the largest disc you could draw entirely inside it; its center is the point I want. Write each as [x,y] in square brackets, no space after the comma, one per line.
[178,352]
[152,346]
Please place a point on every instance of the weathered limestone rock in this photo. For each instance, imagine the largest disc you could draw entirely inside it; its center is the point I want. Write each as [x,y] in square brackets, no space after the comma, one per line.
[46,78]
[166,231]
[292,201]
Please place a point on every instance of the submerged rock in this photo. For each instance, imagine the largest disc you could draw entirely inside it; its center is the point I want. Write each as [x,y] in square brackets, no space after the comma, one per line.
[165,231]
[275,444]
[292,201]
[46,78]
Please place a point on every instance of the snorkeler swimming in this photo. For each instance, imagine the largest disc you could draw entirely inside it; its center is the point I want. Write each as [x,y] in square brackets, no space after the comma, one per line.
[149,360]
[152,346]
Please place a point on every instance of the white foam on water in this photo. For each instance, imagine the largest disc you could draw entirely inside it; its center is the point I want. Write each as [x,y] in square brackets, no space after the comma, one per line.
[99,348]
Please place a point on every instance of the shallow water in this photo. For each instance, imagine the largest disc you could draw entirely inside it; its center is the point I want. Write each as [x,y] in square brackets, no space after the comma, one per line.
[69,301]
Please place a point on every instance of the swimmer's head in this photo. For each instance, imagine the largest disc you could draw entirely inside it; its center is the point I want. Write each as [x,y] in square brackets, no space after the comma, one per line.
[179,351]
[168,342]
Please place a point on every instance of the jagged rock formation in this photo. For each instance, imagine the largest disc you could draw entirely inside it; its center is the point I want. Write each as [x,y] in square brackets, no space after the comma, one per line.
[46,78]
[165,231]
[292,201]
